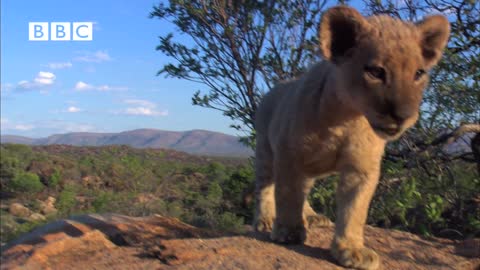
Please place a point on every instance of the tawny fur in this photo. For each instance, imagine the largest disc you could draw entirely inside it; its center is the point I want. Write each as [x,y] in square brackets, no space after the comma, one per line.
[337,117]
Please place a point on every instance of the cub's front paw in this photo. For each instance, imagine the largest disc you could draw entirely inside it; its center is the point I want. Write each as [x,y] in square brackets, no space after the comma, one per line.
[358,258]
[288,234]
[263,224]
[317,221]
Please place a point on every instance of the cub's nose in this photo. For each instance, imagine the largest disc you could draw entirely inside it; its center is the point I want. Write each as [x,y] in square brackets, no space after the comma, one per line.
[399,114]
[391,129]
[398,118]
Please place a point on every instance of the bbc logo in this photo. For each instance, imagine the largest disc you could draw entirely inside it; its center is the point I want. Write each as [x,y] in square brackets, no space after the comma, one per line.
[60,31]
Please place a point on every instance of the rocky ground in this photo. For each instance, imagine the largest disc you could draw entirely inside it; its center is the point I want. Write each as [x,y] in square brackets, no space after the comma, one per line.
[156,242]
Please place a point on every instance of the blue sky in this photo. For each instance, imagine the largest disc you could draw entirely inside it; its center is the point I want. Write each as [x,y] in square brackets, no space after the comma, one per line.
[105,85]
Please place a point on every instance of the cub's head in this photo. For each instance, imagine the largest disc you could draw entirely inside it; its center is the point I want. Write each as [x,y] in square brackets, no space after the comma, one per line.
[382,63]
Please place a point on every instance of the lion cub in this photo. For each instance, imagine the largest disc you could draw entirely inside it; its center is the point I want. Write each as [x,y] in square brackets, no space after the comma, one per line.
[337,117]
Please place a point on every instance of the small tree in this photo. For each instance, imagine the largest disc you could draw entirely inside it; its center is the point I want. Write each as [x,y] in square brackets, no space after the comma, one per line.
[26,182]
[66,201]
[239,50]
[54,179]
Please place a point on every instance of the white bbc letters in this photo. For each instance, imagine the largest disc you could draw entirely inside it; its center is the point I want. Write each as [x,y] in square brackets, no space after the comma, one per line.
[38,31]
[60,31]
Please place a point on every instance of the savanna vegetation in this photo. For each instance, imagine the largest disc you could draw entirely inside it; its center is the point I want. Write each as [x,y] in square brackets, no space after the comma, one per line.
[206,192]
[210,192]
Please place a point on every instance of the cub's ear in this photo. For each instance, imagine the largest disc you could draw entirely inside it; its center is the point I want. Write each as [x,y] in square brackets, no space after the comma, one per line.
[339,31]
[434,31]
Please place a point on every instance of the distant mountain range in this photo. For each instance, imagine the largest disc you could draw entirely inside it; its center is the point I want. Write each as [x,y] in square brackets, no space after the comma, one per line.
[195,141]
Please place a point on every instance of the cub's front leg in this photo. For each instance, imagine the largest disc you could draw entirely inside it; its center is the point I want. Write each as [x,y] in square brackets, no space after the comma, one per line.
[354,193]
[290,193]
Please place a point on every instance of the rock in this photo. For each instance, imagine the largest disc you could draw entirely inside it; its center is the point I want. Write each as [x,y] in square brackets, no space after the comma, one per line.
[81,199]
[144,198]
[47,207]
[19,210]
[36,217]
[50,201]
[91,181]
[49,211]
[156,242]
[198,175]
[469,248]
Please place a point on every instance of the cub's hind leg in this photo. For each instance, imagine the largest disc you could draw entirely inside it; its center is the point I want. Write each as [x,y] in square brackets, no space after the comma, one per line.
[264,187]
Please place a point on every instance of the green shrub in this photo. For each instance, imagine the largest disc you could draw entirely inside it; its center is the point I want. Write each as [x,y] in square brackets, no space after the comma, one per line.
[236,188]
[8,167]
[434,207]
[54,179]
[322,196]
[230,222]
[132,163]
[22,228]
[175,209]
[217,171]
[8,226]
[215,193]
[102,201]
[158,207]
[240,179]
[26,182]
[66,201]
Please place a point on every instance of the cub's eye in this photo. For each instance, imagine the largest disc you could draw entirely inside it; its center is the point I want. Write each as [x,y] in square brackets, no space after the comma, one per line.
[419,74]
[376,72]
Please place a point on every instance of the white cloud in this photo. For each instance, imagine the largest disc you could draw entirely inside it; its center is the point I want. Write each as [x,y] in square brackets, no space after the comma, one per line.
[59,65]
[8,125]
[111,88]
[83,86]
[143,108]
[43,79]
[23,127]
[73,127]
[45,127]
[25,84]
[140,102]
[145,111]
[95,57]
[60,126]
[73,109]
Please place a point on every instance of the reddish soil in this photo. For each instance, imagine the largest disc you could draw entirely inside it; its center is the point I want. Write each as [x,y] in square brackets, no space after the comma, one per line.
[156,242]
